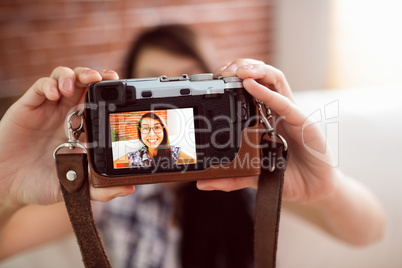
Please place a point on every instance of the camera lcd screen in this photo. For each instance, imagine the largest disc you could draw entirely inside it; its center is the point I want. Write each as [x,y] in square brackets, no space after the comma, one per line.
[144,139]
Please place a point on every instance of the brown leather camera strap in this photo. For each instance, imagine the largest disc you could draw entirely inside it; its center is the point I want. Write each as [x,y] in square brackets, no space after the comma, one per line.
[72,170]
[268,203]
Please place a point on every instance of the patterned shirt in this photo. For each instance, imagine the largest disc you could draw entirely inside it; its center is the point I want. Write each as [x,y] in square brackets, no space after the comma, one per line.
[141,158]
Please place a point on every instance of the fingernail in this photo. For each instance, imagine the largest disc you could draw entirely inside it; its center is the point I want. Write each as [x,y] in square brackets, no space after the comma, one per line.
[108,71]
[90,71]
[68,85]
[54,90]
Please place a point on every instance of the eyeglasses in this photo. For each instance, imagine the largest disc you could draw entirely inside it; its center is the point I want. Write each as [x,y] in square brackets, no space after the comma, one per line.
[157,129]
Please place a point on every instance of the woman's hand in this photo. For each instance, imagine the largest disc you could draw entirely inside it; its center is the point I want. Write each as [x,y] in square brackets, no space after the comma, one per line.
[307,178]
[318,192]
[31,130]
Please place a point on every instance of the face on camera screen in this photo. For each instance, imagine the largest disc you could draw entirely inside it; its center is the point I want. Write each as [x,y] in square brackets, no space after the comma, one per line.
[144,138]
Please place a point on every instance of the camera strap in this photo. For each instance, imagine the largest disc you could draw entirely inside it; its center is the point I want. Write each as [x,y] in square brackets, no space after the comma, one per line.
[72,171]
[274,159]
[268,203]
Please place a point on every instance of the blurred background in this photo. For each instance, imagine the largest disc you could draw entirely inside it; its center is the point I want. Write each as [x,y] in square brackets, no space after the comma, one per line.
[319,44]
[37,36]
[347,51]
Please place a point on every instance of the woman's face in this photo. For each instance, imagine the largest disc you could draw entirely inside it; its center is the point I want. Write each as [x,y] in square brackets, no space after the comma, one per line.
[153,62]
[151,132]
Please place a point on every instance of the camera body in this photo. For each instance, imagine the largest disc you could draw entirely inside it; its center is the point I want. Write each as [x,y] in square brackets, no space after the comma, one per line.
[198,122]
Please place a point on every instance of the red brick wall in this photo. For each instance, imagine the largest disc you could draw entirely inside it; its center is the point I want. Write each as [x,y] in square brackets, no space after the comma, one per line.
[38,35]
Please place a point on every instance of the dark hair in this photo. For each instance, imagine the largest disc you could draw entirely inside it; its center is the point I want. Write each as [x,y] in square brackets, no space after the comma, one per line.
[175,38]
[164,151]
[217,227]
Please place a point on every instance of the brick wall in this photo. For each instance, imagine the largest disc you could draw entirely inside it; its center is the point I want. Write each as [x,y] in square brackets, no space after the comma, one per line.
[38,35]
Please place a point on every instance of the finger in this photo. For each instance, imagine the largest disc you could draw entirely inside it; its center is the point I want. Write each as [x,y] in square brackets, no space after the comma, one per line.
[230,69]
[109,75]
[282,105]
[219,70]
[65,78]
[44,88]
[86,76]
[73,83]
[268,76]
[109,193]
[228,184]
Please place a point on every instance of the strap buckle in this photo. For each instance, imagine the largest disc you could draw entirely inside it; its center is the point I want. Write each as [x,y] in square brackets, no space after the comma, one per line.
[73,133]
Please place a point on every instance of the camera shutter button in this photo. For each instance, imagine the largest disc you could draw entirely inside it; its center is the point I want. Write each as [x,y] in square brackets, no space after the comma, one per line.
[232,79]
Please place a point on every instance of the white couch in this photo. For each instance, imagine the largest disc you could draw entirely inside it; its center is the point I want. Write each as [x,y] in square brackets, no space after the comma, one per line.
[368,125]
[370,150]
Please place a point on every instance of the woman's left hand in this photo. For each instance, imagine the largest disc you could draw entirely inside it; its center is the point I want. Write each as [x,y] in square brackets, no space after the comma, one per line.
[307,178]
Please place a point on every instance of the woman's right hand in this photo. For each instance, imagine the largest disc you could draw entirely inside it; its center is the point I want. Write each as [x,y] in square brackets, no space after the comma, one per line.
[30,131]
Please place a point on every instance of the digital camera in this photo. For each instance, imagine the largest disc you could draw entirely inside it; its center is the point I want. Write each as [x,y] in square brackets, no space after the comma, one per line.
[171,129]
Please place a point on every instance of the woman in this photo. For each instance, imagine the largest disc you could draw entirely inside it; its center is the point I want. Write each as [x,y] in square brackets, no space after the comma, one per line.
[184,226]
[215,230]
[156,148]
